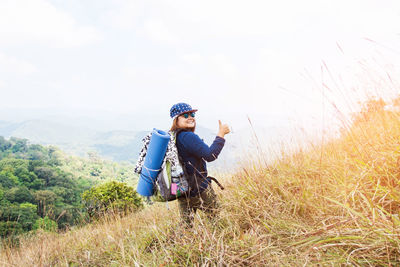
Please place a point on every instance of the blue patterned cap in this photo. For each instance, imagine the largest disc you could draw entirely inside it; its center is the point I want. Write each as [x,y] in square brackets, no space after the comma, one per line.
[179,109]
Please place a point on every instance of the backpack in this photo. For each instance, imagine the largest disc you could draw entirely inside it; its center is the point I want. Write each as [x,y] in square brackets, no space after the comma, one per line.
[170,186]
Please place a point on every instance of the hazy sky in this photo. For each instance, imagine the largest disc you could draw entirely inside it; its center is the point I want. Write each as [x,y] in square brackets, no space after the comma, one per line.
[229,59]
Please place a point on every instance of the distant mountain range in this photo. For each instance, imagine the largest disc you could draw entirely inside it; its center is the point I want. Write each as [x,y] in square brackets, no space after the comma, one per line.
[79,137]
[117,145]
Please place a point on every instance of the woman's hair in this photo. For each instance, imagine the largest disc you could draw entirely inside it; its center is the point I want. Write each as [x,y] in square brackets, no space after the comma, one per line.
[175,127]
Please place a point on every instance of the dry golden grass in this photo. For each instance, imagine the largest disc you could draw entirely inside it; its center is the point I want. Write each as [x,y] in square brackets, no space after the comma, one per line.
[335,203]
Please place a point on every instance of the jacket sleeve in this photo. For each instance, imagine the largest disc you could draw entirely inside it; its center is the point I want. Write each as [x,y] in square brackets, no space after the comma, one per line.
[193,144]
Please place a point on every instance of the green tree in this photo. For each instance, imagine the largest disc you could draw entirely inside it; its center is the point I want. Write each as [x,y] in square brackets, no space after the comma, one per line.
[19,145]
[36,152]
[19,194]
[4,144]
[55,156]
[10,228]
[45,173]
[27,215]
[45,200]
[8,179]
[45,224]
[23,174]
[111,196]
[24,214]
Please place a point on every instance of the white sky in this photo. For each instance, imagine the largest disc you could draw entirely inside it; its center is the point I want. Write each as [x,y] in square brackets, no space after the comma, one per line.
[229,59]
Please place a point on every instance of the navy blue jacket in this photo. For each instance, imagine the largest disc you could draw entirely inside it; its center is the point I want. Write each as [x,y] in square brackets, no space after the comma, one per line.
[194,153]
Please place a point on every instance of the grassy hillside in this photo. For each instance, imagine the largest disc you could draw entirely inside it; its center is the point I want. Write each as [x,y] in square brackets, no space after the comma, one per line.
[335,203]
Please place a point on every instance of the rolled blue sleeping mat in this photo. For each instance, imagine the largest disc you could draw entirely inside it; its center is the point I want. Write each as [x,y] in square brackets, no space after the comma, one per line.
[152,162]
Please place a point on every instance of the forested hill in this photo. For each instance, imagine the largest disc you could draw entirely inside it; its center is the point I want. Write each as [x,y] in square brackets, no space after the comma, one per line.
[38,182]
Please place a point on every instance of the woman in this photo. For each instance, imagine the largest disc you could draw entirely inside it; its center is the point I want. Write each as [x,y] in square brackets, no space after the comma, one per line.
[194,153]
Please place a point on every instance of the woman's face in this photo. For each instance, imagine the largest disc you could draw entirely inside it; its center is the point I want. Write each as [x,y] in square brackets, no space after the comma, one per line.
[186,123]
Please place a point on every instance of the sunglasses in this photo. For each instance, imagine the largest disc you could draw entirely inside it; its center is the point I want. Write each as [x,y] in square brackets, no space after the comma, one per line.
[186,115]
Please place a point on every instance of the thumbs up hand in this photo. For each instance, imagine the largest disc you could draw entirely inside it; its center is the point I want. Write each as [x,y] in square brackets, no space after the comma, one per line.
[223,129]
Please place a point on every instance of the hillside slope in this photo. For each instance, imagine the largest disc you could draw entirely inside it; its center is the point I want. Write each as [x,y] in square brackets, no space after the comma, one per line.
[334,203]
